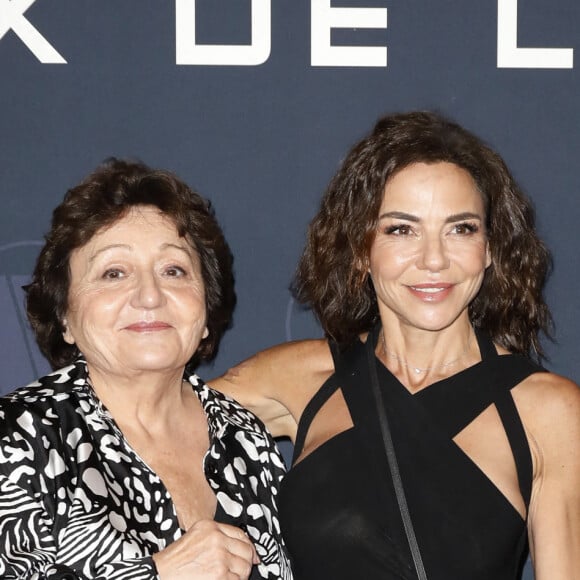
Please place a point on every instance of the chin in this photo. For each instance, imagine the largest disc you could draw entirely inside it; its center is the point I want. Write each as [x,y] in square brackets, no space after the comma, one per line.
[433,325]
[156,363]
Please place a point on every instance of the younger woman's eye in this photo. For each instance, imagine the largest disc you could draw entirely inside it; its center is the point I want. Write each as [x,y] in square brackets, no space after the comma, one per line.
[398,230]
[466,228]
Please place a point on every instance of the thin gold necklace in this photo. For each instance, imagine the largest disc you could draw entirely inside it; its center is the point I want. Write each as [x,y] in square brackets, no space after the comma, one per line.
[420,370]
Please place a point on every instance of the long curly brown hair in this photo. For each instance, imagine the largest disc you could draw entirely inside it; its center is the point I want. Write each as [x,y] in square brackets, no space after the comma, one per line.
[332,275]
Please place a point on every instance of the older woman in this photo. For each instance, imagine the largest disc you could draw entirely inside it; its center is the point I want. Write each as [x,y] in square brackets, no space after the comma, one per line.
[104,465]
[427,443]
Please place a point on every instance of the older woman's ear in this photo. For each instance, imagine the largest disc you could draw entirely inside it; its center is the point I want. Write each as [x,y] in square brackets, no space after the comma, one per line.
[66,333]
[205,333]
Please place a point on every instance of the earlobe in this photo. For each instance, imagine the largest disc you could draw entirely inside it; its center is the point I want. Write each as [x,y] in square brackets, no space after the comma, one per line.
[487,256]
[66,334]
[205,333]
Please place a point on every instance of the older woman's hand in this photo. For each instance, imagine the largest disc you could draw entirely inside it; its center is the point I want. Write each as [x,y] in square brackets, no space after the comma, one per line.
[208,550]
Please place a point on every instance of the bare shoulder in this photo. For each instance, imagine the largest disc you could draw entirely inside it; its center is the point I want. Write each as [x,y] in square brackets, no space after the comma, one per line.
[278,382]
[549,405]
[546,397]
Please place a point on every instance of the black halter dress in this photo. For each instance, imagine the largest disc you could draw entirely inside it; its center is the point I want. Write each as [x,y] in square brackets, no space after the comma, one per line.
[338,508]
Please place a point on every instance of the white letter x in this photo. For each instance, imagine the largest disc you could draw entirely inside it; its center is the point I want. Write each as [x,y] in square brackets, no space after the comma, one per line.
[12,17]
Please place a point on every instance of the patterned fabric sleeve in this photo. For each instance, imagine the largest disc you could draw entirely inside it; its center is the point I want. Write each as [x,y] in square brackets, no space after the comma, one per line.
[28,550]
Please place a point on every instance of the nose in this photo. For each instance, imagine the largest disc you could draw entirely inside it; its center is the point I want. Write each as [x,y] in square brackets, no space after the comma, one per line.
[148,292]
[433,255]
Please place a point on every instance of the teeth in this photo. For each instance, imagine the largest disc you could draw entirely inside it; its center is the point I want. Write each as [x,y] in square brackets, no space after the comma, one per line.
[428,290]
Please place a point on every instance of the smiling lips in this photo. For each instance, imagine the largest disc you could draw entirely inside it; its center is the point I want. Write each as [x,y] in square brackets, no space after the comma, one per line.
[148,326]
[431,292]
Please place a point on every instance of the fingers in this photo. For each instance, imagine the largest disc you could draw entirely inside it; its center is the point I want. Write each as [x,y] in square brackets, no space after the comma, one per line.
[239,543]
[241,554]
[208,550]
[233,531]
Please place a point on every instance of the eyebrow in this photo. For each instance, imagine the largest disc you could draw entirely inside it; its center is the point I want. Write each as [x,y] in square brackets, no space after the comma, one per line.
[93,257]
[185,249]
[401,215]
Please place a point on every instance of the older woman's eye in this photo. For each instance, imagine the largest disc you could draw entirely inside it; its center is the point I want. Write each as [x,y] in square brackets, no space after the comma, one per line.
[175,271]
[112,274]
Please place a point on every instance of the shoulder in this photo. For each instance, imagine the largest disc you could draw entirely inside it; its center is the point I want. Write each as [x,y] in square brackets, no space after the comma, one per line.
[549,405]
[222,410]
[546,396]
[40,406]
[29,428]
[278,382]
[25,405]
[543,396]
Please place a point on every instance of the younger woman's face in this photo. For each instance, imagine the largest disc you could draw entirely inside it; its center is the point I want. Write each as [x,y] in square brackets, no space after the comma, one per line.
[430,252]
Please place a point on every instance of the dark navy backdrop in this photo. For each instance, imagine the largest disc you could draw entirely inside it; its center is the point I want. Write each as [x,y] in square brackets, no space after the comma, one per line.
[260,124]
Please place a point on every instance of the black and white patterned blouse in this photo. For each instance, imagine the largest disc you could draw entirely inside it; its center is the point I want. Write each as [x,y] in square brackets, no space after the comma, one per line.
[76,502]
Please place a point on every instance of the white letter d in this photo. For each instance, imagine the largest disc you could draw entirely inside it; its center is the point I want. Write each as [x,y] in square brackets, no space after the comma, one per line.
[188,52]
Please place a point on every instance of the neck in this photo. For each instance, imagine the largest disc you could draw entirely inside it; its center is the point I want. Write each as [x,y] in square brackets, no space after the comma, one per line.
[142,398]
[417,356]
[420,370]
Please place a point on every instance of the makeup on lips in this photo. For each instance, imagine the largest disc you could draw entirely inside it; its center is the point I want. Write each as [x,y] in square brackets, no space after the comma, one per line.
[433,292]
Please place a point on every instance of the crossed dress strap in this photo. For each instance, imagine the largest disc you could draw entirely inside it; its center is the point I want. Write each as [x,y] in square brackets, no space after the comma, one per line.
[507,371]
[470,398]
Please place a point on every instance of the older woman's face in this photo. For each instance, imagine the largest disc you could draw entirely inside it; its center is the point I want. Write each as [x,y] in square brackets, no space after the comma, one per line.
[430,252]
[136,299]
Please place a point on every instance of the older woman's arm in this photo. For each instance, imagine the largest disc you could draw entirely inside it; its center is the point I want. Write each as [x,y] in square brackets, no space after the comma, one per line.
[553,422]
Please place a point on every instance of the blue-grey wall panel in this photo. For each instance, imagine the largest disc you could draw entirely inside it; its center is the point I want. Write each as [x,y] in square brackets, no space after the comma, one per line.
[262,140]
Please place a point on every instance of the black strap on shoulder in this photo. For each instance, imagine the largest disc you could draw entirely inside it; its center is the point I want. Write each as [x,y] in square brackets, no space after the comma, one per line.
[335,352]
[344,362]
[518,441]
[313,406]
[509,371]
[487,349]
[513,371]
